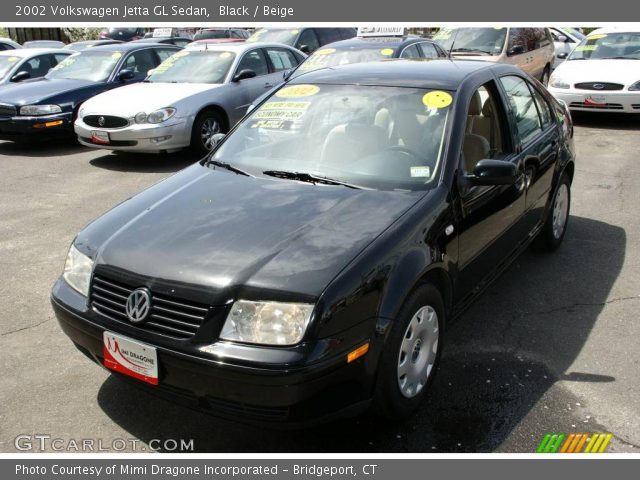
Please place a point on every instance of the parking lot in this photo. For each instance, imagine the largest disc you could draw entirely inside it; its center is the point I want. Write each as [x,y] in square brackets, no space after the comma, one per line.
[551,347]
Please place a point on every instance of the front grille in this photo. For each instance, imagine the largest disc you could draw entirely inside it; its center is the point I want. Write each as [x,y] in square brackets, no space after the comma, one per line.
[8,110]
[108,121]
[636,106]
[604,106]
[172,317]
[601,86]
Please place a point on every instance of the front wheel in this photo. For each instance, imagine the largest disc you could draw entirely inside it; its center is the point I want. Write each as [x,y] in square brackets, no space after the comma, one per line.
[411,354]
[555,226]
[206,125]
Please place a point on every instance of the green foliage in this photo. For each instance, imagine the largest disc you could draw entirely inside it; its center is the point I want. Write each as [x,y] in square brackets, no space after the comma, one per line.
[77,34]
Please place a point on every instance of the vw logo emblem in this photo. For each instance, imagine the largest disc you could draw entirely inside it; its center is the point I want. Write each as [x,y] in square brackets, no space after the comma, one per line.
[101,121]
[138,305]
[598,86]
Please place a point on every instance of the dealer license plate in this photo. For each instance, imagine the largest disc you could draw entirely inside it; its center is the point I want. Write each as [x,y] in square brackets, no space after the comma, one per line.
[596,99]
[130,357]
[101,138]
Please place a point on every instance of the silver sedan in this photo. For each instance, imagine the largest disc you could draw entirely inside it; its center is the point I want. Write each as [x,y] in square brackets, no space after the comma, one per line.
[190,97]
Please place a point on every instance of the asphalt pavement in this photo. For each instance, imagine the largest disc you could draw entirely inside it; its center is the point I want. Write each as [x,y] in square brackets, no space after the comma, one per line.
[552,346]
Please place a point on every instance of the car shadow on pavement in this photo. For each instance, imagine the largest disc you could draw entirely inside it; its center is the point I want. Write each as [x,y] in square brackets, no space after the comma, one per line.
[607,120]
[54,148]
[500,360]
[145,162]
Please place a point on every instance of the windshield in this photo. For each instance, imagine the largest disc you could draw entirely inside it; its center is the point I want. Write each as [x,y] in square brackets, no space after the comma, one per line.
[472,40]
[276,35]
[573,32]
[329,57]
[190,66]
[608,45]
[6,64]
[375,137]
[86,65]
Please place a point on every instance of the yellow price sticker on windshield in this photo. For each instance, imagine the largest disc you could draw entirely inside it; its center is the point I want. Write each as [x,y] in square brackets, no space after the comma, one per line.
[324,51]
[116,55]
[596,36]
[295,91]
[225,54]
[12,59]
[386,51]
[585,48]
[295,32]
[437,99]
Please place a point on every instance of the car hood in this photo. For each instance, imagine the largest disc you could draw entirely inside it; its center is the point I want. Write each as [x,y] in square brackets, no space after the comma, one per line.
[614,71]
[143,97]
[221,232]
[39,90]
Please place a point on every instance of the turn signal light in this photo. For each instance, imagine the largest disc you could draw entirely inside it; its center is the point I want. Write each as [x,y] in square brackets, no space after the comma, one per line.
[358,352]
[55,123]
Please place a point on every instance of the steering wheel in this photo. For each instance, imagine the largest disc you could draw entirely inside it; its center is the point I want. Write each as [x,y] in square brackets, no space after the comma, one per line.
[404,150]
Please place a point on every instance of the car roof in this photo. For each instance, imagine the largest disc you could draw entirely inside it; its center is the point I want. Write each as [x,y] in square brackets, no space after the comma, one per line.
[373,42]
[615,30]
[127,47]
[237,47]
[30,52]
[441,73]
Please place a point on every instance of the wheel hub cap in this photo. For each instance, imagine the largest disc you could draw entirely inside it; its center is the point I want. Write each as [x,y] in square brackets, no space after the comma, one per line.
[560,210]
[209,128]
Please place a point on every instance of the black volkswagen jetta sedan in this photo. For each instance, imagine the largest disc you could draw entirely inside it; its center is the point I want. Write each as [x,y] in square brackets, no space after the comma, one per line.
[309,266]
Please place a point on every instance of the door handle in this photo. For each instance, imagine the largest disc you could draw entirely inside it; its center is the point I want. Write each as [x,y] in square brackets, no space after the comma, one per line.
[268,85]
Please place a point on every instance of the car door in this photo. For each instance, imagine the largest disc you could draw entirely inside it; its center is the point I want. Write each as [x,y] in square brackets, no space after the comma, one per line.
[537,140]
[490,216]
[245,91]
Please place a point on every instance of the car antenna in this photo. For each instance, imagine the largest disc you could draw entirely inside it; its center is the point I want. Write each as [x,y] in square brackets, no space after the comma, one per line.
[453,43]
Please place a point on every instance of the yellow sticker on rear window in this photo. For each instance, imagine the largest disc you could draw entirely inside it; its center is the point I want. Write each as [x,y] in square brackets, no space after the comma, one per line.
[116,55]
[386,51]
[324,51]
[437,99]
[295,91]
[585,48]
[596,36]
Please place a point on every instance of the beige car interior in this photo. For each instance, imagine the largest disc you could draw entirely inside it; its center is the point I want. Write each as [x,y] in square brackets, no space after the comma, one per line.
[482,136]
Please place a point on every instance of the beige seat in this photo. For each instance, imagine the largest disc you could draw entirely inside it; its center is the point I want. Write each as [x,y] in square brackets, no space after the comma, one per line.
[474,149]
[350,142]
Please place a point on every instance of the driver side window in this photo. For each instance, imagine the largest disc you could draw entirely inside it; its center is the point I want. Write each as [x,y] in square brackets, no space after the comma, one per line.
[483,137]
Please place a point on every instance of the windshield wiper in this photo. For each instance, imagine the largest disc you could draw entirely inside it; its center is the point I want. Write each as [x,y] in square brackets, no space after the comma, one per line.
[226,166]
[618,58]
[309,178]
[471,50]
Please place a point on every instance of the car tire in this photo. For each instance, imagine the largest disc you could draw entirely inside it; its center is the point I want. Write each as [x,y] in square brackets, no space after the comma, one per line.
[555,226]
[206,124]
[411,354]
[546,74]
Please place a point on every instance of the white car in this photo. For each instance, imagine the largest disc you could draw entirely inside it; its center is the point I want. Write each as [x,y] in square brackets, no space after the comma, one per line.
[602,73]
[564,40]
[186,100]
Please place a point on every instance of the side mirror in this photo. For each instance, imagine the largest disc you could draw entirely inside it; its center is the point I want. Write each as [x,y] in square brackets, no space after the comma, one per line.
[562,38]
[305,49]
[243,75]
[563,55]
[217,138]
[494,172]
[516,50]
[20,76]
[126,74]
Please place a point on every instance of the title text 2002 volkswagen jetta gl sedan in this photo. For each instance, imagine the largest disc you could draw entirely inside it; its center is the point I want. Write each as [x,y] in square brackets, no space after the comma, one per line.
[309,266]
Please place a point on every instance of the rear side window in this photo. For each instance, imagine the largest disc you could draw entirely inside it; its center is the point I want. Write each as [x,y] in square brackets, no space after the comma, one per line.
[328,35]
[541,38]
[281,59]
[543,107]
[411,52]
[428,50]
[523,107]
[517,41]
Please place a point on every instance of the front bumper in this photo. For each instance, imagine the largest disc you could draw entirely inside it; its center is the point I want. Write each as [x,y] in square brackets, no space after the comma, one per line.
[247,389]
[171,135]
[23,128]
[605,101]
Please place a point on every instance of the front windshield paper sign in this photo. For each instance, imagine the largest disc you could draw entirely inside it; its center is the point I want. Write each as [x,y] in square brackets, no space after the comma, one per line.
[298,91]
[279,115]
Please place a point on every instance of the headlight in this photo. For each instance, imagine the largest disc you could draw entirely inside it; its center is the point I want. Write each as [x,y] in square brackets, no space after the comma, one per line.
[140,117]
[635,87]
[39,109]
[77,271]
[267,323]
[557,82]
[161,115]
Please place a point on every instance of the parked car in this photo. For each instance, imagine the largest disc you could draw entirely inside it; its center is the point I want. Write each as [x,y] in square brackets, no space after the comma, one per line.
[28,63]
[124,34]
[197,44]
[177,41]
[8,44]
[309,267]
[43,44]
[529,48]
[47,107]
[187,100]
[81,45]
[602,73]
[306,40]
[367,49]
[219,33]
[564,40]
